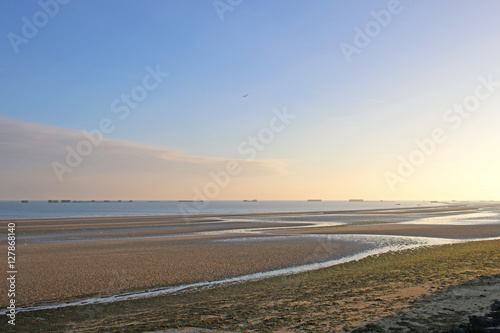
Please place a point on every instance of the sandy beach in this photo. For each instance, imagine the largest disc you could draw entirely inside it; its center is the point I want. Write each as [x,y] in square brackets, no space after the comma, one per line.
[64,271]
[66,260]
[425,290]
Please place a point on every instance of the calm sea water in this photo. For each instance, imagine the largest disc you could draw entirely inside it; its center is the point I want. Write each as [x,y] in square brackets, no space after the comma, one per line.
[43,209]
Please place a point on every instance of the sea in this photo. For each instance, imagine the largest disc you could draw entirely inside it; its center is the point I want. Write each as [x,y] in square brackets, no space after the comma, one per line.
[44,210]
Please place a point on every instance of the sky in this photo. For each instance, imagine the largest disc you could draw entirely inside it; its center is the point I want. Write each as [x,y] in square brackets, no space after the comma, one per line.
[239,99]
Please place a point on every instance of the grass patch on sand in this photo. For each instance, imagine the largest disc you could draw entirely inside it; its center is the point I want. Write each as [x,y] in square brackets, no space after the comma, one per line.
[323,300]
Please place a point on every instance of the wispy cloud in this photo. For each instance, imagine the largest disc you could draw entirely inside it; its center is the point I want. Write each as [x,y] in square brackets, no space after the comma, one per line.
[114,169]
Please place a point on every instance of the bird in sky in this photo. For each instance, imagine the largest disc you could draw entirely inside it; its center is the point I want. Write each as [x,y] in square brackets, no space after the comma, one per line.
[245,96]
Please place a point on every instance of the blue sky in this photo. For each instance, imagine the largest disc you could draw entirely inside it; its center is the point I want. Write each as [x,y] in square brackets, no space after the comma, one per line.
[353,119]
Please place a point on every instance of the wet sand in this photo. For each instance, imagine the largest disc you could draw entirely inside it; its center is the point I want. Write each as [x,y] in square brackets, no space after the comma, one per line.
[334,299]
[67,259]
[422,230]
[67,271]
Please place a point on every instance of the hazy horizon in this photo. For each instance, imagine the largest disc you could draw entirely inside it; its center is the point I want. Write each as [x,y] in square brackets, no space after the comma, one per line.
[379,100]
